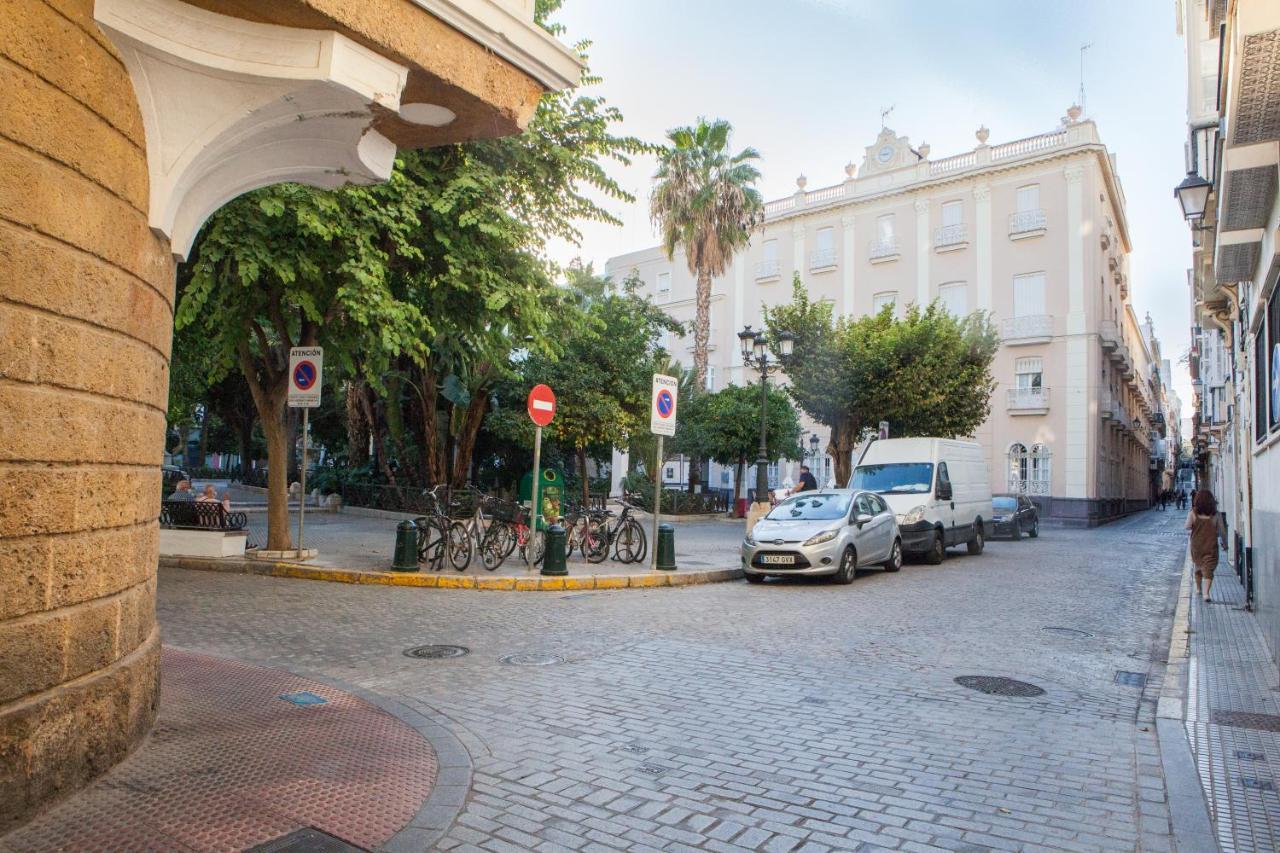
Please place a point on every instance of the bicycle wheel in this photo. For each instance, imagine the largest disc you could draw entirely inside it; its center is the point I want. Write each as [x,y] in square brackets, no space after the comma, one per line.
[459,546]
[431,545]
[511,539]
[643,550]
[626,545]
[535,547]
[493,550]
[595,544]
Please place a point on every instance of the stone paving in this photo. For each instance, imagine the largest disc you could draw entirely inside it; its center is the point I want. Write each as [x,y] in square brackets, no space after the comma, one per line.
[789,716]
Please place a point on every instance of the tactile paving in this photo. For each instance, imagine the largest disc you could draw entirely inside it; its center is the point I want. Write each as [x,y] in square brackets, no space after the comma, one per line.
[231,765]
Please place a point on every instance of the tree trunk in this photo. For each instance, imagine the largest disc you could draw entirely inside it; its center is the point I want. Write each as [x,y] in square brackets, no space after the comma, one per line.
[582,474]
[279,533]
[466,443]
[432,439]
[358,429]
[844,441]
[738,472]
[701,331]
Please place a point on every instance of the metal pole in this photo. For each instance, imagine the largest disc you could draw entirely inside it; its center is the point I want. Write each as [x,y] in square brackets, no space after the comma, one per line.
[657,507]
[302,507]
[762,461]
[534,494]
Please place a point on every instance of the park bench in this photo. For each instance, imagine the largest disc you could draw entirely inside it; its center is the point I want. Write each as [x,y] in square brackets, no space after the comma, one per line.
[201,529]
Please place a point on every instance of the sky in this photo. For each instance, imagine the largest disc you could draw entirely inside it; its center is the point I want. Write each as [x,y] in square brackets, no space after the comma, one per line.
[804,81]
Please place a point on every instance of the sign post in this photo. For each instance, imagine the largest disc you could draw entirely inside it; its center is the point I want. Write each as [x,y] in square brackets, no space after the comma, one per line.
[306,366]
[662,423]
[542,408]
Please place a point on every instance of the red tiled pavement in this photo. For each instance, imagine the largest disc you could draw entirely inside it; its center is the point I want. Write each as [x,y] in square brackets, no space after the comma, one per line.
[230,765]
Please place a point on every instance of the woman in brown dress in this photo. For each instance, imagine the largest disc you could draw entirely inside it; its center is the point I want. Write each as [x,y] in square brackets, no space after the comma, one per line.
[1207,531]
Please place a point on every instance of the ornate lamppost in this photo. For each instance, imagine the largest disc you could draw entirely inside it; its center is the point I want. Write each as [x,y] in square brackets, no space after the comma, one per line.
[755,355]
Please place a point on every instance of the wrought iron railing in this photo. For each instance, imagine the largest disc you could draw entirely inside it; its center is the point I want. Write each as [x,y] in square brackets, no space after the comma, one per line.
[1028,398]
[767,269]
[1026,221]
[822,258]
[883,248]
[950,235]
[1027,326]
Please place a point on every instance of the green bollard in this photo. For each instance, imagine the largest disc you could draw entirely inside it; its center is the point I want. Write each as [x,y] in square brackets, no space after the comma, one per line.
[553,562]
[666,548]
[406,554]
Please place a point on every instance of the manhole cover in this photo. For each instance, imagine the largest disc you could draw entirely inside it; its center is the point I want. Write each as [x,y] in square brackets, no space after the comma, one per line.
[813,700]
[1245,720]
[1066,632]
[635,747]
[531,659]
[1245,755]
[1131,679]
[1257,784]
[994,685]
[652,769]
[436,652]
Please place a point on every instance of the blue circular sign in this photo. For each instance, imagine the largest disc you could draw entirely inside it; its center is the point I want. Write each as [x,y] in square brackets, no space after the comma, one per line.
[666,403]
[1275,383]
[304,375]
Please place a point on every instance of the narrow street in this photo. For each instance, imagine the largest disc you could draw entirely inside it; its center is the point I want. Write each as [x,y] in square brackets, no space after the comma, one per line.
[793,715]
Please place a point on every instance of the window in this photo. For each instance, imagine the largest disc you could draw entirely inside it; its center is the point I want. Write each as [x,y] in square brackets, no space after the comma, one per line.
[1029,471]
[1028,198]
[952,213]
[670,473]
[944,479]
[771,251]
[772,472]
[1273,341]
[1028,295]
[1260,384]
[826,240]
[1027,373]
[711,378]
[884,228]
[954,297]
[882,299]
[664,282]
[824,255]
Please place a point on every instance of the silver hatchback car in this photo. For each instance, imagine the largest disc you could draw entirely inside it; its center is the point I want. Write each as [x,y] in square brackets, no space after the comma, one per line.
[828,532]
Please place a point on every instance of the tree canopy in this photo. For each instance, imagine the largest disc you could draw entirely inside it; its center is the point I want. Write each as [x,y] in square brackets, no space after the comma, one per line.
[725,426]
[927,374]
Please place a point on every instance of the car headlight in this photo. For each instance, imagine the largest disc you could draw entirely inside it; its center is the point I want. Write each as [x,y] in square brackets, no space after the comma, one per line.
[748,540]
[915,516]
[824,536]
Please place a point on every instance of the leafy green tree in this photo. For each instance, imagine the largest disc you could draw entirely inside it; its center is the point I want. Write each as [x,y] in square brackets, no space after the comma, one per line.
[704,201]
[927,374]
[602,377]
[725,426]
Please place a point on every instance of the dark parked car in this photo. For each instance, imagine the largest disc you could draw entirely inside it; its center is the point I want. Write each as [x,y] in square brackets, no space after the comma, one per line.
[1014,515]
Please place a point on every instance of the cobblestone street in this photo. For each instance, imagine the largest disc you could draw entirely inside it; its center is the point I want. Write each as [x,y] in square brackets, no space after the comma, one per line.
[796,715]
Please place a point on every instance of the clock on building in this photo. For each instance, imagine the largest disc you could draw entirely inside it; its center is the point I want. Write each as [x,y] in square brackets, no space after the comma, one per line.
[885,154]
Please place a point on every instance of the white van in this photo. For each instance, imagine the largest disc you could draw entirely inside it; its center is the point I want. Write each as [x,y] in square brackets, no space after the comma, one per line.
[937,487]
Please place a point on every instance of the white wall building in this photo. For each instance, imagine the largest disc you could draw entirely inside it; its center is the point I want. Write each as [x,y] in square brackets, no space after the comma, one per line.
[1033,231]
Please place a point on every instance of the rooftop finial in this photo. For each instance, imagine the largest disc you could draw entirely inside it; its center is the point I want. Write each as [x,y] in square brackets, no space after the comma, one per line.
[884,114]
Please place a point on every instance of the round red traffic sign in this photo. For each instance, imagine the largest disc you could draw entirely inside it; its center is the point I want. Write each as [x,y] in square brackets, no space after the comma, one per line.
[542,404]
[304,375]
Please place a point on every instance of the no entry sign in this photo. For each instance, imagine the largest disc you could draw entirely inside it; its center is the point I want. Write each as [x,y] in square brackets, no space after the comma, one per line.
[662,409]
[542,405]
[305,370]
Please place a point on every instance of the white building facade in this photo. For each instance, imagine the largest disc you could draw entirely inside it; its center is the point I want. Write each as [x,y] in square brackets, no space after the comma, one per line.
[1032,231]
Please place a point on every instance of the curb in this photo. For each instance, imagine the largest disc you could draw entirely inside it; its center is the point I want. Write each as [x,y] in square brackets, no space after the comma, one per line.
[1188,811]
[529,583]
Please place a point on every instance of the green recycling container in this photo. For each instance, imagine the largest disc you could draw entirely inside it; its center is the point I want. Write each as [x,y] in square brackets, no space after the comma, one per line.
[550,493]
[666,547]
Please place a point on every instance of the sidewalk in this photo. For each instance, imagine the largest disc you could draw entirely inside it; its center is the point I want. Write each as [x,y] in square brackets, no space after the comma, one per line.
[247,758]
[1230,713]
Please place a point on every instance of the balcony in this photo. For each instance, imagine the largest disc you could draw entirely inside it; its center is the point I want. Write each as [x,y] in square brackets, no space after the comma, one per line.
[1028,401]
[1026,223]
[1028,329]
[1028,487]
[884,250]
[822,259]
[949,238]
[1108,335]
[766,270]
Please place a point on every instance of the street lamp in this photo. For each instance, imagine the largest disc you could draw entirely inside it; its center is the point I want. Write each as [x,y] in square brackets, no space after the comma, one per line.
[755,354]
[1193,195]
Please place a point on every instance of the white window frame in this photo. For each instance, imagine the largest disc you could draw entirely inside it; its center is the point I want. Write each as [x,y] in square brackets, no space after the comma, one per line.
[952,213]
[885,227]
[769,251]
[1033,369]
[711,377]
[1028,198]
[878,300]
[1020,306]
[825,239]
[664,278]
[952,287]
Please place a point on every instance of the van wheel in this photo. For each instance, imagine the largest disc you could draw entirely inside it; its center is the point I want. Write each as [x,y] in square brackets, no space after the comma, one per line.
[1017,531]
[978,541]
[1035,529]
[895,557]
[937,552]
[848,567]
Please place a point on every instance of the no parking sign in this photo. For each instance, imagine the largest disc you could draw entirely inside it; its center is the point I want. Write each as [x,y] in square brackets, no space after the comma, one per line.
[305,367]
[662,409]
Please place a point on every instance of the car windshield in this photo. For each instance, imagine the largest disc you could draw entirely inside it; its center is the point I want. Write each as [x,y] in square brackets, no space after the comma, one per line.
[811,508]
[1005,503]
[897,478]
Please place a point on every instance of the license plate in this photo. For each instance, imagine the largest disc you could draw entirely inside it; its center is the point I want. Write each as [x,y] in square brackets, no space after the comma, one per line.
[778,559]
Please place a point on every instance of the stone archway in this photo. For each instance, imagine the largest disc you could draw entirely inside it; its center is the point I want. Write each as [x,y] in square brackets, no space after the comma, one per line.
[100,190]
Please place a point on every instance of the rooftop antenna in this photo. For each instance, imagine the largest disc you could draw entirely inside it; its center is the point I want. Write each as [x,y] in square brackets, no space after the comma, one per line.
[884,114]
[1083,48]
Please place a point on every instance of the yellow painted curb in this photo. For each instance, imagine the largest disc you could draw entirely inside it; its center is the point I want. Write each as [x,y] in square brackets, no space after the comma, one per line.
[550,583]
[527,583]
[496,583]
[455,582]
[611,582]
[637,581]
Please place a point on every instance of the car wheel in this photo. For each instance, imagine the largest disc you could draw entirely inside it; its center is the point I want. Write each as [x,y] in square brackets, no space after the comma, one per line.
[978,541]
[937,552]
[755,578]
[1017,531]
[895,557]
[848,567]
[1035,529]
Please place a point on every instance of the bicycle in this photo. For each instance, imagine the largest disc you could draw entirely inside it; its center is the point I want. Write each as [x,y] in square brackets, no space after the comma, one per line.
[440,538]
[582,530]
[626,537]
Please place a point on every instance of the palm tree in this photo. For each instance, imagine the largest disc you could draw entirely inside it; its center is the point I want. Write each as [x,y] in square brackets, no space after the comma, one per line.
[704,201]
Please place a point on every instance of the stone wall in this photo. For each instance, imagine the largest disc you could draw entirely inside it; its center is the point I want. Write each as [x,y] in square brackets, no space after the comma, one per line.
[86,292]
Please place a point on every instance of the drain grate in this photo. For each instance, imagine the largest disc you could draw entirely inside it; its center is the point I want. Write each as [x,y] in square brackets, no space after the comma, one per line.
[1245,755]
[1066,632]
[436,652]
[994,685]
[1257,784]
[812,700]
[652,769]
[1130,679]
[635,747]
[306,840]
[304,697]
[531,659]
[1245,720]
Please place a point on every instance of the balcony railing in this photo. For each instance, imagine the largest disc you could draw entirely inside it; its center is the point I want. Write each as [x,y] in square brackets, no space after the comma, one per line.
[821,259]
[1028,487]
[951,236]
[1026,223]
[1108,334]
[766,269]
[884,249]
[1030,328]
[1028,400]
